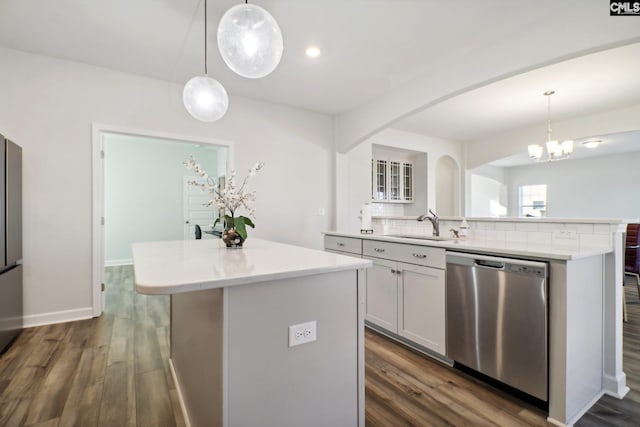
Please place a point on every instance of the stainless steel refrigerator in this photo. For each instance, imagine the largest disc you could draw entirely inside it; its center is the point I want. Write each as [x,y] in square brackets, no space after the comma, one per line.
[10,242]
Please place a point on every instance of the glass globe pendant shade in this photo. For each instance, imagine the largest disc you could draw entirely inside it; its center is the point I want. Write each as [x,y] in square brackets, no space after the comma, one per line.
[250,41]
[205,98]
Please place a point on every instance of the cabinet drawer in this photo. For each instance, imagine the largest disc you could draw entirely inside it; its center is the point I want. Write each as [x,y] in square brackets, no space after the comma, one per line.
[412,254]
[343,244]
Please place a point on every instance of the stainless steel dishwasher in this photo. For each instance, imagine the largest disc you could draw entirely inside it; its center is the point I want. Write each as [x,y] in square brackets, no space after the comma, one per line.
[497,319]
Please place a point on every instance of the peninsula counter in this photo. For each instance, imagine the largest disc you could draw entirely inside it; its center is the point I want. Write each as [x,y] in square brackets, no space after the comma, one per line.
[231,312]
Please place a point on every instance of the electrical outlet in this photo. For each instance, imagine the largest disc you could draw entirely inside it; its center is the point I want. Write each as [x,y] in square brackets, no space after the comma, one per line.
[302,333]
[565,234]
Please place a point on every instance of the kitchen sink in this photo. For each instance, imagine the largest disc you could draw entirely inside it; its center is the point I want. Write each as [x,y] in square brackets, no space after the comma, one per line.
[417,236]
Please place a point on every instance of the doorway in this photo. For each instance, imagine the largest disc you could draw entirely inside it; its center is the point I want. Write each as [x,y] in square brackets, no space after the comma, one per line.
[139,193]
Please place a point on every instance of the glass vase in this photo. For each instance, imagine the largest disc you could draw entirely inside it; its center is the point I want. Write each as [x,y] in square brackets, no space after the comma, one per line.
[232,238]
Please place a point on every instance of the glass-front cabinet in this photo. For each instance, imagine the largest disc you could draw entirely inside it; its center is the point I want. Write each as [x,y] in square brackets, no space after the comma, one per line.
[392,180]
[379,180]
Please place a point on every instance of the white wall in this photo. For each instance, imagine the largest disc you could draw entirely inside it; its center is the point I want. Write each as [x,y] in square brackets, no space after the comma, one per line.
[485,197]
[506,144]
[144,192]
[596,187]
[434,147]
[353,171]
[487,192]
[49,106]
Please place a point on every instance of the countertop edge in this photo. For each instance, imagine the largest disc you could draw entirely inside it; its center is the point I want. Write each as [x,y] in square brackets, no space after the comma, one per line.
[520,220]
[175,288]
[562,254]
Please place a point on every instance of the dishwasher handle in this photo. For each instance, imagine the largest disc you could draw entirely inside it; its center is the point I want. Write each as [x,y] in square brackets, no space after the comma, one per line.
[495,265]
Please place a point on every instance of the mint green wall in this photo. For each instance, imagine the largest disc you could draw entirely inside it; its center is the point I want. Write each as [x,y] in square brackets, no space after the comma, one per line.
[143,189]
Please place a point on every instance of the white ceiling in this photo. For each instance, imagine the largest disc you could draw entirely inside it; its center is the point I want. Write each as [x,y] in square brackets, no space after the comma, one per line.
[615,143]
[369,47]
[598,82]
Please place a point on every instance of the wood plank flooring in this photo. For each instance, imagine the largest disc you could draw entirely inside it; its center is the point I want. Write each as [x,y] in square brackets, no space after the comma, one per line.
[406,389]
[108,371]
[113,371]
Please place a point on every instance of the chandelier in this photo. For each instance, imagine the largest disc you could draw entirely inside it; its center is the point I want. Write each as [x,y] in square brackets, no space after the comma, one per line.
[556,150]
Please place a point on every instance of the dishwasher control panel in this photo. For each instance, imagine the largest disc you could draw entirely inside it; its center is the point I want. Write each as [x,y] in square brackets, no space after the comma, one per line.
[526,269]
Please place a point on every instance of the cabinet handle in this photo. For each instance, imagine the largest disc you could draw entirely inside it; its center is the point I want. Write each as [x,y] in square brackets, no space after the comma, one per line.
[340,244]
[378,250]
[421,256]
[393,271]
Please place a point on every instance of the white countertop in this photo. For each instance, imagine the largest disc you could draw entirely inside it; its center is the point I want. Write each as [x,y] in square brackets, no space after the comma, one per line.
[192,265]
[490,247]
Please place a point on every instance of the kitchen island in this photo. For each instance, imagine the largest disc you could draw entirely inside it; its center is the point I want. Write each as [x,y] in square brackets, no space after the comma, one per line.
[267,335]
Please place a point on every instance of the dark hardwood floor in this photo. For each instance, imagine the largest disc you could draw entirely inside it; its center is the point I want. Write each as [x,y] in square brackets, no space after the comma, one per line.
[108,371]
[113,371]
[406,389]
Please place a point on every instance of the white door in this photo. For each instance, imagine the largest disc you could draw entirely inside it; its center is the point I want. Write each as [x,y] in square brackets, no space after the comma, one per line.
[194,210]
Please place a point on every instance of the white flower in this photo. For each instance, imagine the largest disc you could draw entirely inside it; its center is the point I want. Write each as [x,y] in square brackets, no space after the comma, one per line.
[230,197]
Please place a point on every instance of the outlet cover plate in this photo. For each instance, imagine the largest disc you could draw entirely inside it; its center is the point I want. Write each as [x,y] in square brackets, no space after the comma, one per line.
[302,333]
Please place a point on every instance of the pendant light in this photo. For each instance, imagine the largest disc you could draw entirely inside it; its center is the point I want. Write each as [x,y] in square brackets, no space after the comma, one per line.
[205,98]
[250,41]
[555,150]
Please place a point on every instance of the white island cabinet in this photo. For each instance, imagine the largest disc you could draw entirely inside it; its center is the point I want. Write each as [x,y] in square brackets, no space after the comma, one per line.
[239,319]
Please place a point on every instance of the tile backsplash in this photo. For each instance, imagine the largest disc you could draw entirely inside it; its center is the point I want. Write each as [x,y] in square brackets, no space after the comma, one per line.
[569,234]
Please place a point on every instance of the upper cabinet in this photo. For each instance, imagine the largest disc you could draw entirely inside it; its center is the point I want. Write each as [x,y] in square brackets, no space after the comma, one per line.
[392,176]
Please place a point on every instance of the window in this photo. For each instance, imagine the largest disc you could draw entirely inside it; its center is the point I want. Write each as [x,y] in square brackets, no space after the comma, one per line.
[533,200]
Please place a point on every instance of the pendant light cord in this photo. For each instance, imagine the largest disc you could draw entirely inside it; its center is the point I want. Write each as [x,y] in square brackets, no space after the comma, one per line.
[548,116]
[205,38]
[548,95]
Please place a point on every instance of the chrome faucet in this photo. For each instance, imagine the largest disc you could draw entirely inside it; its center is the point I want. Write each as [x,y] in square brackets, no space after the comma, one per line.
[435,221]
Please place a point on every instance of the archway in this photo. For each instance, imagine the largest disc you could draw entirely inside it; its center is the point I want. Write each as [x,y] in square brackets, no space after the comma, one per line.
[447,187]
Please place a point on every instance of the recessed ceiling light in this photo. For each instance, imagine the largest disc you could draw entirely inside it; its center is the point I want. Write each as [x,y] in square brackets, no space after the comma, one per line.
[592,144]
[312,51]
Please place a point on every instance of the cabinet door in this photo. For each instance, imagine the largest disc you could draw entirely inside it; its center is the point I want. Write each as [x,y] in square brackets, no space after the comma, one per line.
[382,294]
[421,293]
[379,179]
[395,188]
[407,181]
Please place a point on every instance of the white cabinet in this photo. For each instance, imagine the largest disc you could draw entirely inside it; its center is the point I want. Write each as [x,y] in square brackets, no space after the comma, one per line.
[406,299]
[421,306]
[405,288]
[343,245]
[391,180]
[382,294]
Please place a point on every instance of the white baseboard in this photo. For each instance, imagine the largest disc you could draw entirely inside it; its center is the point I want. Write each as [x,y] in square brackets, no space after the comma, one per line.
[32,320]
[616,386]
[586,408]
[117,262]
[185,415]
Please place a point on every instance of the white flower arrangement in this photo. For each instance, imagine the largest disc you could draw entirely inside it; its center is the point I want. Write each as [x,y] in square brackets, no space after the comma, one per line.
[231,197]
